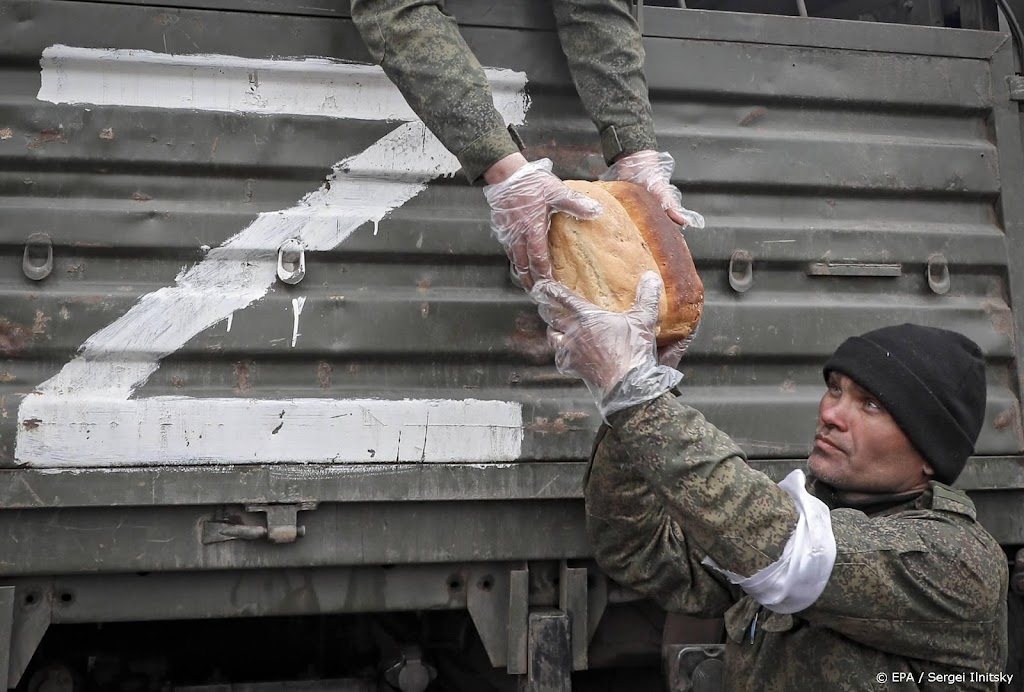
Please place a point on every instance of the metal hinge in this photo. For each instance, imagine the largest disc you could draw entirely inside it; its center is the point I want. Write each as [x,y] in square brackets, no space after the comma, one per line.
[281,525]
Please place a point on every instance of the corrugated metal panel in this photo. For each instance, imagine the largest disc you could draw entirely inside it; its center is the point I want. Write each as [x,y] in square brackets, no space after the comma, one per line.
[881,150]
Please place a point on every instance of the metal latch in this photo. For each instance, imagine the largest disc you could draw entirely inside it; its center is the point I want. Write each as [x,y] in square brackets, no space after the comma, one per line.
[37,262]
[291,261]
[741,271]
[938,274]
[281,525]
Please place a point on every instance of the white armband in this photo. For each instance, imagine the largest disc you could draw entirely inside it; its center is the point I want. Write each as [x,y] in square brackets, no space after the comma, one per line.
[795,580]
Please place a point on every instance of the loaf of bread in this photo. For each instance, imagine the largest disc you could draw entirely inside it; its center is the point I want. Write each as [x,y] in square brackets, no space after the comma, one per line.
[604,258]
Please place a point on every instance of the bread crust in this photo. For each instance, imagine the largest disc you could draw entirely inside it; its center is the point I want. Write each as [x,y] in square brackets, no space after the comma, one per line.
[604,258]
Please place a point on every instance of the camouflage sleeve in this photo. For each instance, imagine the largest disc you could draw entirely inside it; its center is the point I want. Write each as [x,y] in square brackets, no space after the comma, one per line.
[421,50]
[737,516]
[602,43]
[637,544]
[926,589]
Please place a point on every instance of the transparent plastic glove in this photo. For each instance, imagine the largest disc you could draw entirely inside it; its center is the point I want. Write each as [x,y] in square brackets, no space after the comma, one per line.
[521,209]
[653,170]
[612,352]
[671,354]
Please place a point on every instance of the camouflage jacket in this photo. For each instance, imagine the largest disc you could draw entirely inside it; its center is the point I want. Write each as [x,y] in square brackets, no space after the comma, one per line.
[421,50]
[917,591]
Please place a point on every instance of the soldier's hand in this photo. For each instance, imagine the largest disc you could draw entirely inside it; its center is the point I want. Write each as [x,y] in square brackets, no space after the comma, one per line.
[653,170]
[521,209]
[671,354]
[612,352]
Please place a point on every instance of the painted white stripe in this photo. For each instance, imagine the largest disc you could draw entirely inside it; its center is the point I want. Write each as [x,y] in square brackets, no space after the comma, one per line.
[293,86]
[363,188]
[297,304]
[105,432]
[121,357]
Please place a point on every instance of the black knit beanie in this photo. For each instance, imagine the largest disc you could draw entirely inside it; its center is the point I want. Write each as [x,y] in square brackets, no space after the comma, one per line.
[931,381]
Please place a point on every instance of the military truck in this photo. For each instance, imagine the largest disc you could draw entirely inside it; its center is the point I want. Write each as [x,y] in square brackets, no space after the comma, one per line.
[273,415]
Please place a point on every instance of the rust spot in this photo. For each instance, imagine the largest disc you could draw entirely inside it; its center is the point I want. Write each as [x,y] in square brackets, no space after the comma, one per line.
[31,423]
[7,377]
[3,407]
[74,268]
[6,133]
[354,368]
[141,197]
[14,337]
[1000,315]
[242,373]
[830,202]
[542,377]
[787,386]
[1006,419]
[177,381]
[424,310]
[47,137]
[107,133]
[40,324]
[559,424]
[323,374]
[91,299]
[754,115]
[163,19]
[423,286]
[529,339]
[548,426]
[733,351]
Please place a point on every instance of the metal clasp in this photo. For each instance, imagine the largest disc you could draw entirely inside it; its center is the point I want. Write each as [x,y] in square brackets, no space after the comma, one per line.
[37,262]
[741,271]
[281,525]
[291,261]
[938,274]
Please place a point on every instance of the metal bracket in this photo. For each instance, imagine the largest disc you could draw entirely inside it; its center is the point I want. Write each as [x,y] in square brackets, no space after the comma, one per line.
[502,606]
[1017,576]
[30,618]
[281,525]
[638,14]
[550,653]
[1015,83]
[6,630]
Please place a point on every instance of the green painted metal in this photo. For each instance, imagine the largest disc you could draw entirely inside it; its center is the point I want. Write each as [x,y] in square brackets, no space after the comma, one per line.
[804,142]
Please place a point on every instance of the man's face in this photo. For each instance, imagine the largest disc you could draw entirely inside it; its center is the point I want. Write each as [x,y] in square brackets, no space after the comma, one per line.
[858,447]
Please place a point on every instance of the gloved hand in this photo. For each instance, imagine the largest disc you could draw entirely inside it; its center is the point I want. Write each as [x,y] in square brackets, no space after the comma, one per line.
[653,170]
[612,352]
[670,354]
[521,209]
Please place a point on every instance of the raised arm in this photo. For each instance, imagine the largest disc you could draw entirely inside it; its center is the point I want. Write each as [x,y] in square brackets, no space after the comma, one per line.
[422,52]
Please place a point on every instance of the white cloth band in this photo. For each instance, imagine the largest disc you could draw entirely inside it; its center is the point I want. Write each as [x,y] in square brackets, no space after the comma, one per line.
[795,580]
